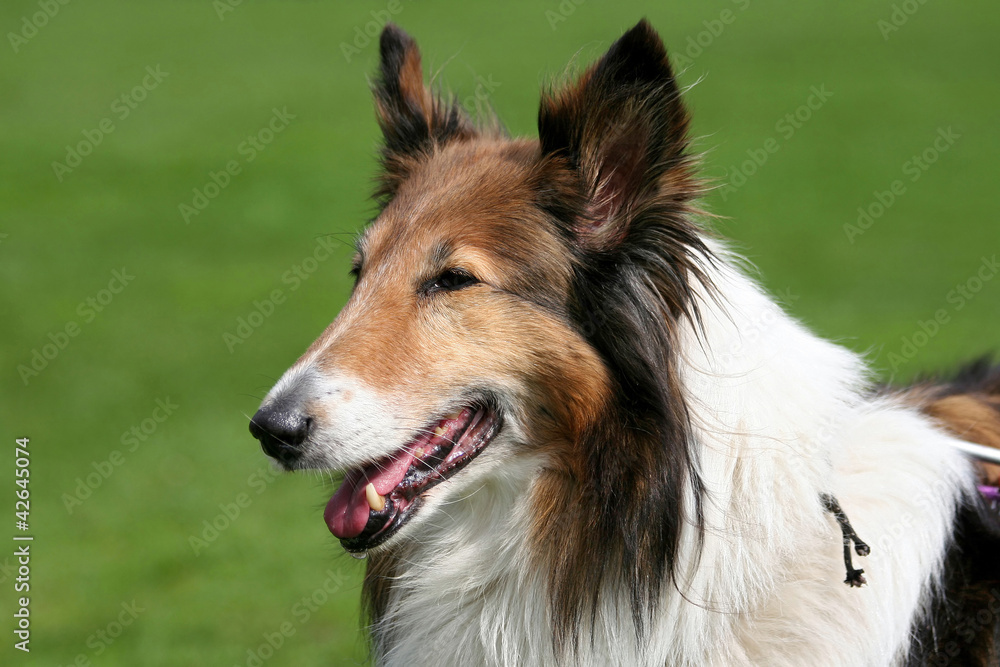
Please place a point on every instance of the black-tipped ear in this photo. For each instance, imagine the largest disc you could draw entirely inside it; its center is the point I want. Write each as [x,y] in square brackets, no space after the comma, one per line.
[623,129]
[413,120]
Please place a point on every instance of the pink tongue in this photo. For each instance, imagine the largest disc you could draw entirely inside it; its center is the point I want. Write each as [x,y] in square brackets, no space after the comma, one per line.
[347,512]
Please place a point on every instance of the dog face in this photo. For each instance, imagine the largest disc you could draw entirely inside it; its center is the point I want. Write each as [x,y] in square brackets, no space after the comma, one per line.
[455,334]
[514,301]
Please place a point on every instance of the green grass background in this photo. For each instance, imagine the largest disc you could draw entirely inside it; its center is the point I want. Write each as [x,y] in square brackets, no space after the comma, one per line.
[163,335]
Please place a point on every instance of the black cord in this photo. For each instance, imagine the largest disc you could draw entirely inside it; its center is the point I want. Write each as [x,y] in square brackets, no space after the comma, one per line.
[855,578]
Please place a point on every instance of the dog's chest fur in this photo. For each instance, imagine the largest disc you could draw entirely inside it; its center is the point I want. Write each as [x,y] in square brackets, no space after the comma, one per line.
[775,432]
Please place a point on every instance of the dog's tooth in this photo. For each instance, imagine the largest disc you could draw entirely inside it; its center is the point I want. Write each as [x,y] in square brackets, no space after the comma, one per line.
[375,501]
[440,430]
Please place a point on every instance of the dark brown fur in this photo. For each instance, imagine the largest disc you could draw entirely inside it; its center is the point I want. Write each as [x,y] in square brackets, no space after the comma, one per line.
[587,259]
[589,234]
[616,141]
[961,627]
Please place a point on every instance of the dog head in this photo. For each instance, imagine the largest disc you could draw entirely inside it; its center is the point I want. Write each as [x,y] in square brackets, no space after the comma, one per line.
[514,300]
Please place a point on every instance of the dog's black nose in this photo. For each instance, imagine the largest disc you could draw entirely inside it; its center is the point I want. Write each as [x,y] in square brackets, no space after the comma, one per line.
[281,431]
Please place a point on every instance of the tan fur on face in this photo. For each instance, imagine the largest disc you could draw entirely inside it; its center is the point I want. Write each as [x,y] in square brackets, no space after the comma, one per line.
[469,206]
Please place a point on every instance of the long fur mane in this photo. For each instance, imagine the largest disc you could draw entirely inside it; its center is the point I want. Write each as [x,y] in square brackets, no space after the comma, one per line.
[684,523]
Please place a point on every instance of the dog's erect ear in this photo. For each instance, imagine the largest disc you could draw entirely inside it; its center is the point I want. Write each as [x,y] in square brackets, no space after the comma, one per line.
[413,120]
[623,129]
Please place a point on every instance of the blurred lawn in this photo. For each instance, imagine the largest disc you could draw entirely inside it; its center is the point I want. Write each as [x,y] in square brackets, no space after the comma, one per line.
[162,336]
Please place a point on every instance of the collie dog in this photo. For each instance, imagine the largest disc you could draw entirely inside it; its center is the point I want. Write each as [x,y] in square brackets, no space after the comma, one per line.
[575,432]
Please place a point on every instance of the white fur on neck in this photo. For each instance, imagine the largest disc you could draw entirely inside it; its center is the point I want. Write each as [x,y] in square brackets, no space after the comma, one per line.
[781,417]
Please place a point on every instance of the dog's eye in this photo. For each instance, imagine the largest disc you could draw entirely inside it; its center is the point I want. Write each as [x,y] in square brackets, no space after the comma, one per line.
[451,280]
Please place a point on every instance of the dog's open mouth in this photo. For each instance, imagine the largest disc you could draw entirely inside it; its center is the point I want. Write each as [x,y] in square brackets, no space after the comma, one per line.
[375,501]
